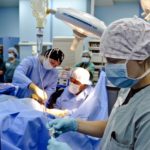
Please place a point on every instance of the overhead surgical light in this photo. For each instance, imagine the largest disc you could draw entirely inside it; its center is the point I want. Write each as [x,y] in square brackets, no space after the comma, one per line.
[82,24]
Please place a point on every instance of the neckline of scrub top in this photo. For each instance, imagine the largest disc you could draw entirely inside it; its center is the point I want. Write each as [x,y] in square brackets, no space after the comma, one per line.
[131,93]
[132,100]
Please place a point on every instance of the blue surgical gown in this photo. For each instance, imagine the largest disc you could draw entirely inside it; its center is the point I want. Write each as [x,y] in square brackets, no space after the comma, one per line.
[32,70]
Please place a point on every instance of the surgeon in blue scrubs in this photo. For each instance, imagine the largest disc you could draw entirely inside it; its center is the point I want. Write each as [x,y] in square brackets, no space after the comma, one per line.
[37,77]
[126,46]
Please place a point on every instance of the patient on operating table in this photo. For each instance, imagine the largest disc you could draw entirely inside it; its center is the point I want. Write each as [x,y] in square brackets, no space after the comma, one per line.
[74,95]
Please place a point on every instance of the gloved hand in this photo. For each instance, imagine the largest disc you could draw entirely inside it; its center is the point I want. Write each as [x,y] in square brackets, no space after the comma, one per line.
[63,125]
[55,145]
[40,94]
[35,97]
[58,112]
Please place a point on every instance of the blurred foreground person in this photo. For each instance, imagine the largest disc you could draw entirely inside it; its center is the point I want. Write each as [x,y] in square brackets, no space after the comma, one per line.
[126,46]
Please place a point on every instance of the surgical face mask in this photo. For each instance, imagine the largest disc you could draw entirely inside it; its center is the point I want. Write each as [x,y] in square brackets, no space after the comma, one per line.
[10,55]
[118,76]
[73,88]
[47,65]
[85,59]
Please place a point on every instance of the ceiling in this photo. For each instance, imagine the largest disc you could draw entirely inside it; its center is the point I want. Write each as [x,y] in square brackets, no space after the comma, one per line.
[15,3]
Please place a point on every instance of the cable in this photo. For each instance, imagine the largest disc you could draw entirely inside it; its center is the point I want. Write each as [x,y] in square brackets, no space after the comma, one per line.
[44,108]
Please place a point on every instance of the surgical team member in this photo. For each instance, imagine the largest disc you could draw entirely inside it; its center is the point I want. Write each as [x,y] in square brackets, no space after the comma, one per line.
[11,64]
[37,77]
[126,46]
[76,93]
[86,63]
[2,70]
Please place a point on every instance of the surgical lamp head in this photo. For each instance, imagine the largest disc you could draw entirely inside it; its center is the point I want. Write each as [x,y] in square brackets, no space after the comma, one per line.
[82,24]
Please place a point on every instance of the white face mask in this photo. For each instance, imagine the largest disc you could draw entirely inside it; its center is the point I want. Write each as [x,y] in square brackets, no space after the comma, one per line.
[73,88]
[47,65]
[85,59]
[10,55]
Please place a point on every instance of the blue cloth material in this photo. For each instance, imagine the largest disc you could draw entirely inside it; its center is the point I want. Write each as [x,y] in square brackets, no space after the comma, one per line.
[30,70]
[55,145]
[7,88]
[72,102]
[94,108]
[22,128]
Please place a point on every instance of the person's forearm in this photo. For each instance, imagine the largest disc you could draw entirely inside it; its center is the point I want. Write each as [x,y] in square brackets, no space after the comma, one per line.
[93,128]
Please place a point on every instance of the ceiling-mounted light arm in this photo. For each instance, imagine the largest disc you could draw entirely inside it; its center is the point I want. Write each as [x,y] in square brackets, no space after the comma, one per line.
[82,24]
[76,40]
[145,4]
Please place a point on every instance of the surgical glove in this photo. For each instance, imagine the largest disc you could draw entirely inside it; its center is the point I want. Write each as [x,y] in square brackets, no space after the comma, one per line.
[58,112]
[35,97]
[42,96]
[63,125]
[55,145]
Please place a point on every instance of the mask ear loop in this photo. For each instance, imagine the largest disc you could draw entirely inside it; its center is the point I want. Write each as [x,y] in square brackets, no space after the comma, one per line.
[49,54]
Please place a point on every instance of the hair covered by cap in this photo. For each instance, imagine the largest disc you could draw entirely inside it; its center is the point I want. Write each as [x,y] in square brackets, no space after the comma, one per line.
[14,50]
[127,38]
[81,75]
[55,54]
[87,52]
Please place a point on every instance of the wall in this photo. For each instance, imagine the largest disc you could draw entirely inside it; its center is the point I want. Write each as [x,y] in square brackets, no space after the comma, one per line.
[53,28]
[9,24]
[116,11]
[71,57]
[27,23]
